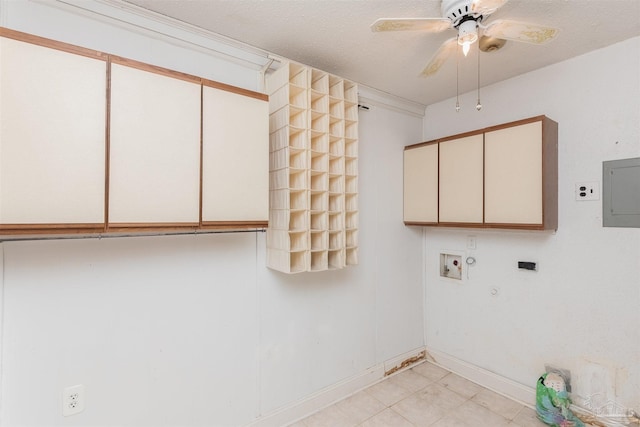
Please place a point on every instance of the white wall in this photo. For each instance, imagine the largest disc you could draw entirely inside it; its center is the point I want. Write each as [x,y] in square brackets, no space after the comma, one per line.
[195,330]
[580,310]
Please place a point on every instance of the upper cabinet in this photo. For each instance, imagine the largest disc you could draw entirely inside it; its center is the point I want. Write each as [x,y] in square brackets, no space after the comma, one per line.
[154,155]
[234,126]
[500,177]
[460,180]
[421,184]
[52,138]
[521,175]
[94,143]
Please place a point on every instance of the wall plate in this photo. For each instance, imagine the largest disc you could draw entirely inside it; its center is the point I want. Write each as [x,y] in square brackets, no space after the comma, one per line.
[588,191]
[451,265]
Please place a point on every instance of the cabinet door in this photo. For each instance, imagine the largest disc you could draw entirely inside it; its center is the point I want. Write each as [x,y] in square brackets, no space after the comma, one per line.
[154,148]
[461,175]
[513,175]
[421,184]
[52,136]
[235,157]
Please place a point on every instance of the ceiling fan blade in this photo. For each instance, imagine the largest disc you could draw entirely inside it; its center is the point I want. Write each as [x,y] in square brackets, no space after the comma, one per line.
[430,25]
[446,49]
[486,7]
[520,31]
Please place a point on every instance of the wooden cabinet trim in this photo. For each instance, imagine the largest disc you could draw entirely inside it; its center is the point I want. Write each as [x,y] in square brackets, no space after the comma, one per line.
[70,48]
[233,224]
[541,118]
[234,89]
[53,44]
[154,69]
[65,228]
[421,144]
[516,123]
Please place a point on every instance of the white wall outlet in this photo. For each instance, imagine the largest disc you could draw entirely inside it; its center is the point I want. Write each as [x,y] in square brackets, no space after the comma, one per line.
[73,400]
[588,191]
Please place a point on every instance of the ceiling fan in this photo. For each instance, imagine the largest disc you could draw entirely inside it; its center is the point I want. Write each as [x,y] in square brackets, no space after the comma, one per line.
[466,17]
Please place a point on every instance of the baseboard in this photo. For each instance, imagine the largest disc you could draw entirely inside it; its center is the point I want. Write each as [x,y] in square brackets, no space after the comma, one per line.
[336,392]
[499,384]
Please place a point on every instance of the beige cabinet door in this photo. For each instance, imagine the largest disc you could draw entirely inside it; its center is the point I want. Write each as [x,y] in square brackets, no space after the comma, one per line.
[52,136]
[421,184]
[154,148]
[461,177]
[513,175]
[235,157]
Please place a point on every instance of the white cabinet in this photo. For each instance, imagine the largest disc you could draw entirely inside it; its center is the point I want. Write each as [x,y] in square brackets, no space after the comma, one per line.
[513,182]
[95,143]
[313,215]
[460,180]
[235,157]
[504,176]
[52,138]
[154,166]
[421,184]
[519,179]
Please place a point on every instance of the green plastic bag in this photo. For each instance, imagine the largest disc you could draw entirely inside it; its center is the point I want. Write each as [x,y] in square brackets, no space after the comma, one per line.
[552,402]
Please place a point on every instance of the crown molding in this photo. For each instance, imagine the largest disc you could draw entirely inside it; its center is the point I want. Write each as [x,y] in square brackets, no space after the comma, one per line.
[161,27]
[370,96]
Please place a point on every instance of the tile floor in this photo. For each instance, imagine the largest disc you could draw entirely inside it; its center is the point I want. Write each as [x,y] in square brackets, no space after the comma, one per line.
[425,395]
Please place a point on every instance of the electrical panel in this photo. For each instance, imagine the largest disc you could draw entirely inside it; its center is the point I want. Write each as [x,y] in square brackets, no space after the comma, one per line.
[621,193]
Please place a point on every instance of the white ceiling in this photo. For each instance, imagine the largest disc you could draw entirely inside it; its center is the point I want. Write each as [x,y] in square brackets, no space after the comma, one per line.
[334,36]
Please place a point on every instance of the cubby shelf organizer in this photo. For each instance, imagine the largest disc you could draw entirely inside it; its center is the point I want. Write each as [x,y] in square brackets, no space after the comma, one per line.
[313,170]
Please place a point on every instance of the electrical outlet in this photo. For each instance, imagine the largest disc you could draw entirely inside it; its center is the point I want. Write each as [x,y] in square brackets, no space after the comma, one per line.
[588,191]
[73,400]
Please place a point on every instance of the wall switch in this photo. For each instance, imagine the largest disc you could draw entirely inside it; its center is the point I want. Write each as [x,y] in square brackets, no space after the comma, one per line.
[471,242]
[588,191]
[73,400]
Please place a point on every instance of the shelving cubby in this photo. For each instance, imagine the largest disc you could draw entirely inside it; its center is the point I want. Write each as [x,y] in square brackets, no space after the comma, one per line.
[313,170]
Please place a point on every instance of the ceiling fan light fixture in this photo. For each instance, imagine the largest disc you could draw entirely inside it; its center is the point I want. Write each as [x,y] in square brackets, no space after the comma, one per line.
[467,34]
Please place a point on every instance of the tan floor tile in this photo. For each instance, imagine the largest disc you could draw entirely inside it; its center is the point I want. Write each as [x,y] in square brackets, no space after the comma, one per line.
[450,421]
[410,380]
[439,395]
[428,405]
[387,418]
[497,403]
[430,371]
[527,418]
[329,417]
[475,415]
[460,385]
[361,406]
[388,392]
[419,411]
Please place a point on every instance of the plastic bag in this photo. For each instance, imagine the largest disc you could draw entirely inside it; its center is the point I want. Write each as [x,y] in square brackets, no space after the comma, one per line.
[552,402]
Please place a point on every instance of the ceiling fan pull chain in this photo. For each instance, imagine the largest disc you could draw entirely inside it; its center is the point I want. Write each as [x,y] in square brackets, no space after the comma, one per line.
[457,79]
[478,105]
